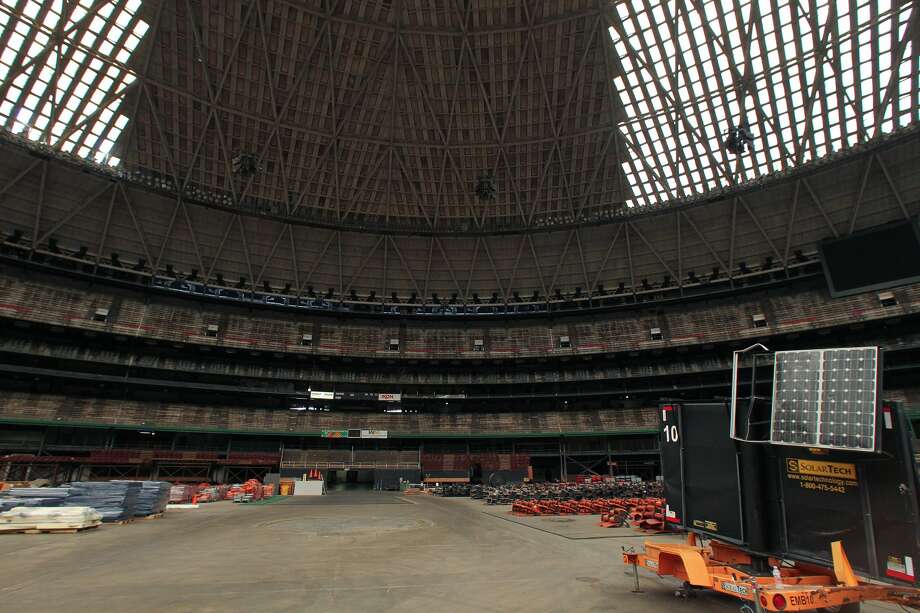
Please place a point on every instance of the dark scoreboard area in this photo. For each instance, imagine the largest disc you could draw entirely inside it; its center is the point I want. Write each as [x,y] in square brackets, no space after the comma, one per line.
[873,259]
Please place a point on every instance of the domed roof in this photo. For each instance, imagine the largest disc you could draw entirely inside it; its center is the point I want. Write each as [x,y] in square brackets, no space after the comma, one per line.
[455,146]
[385,114]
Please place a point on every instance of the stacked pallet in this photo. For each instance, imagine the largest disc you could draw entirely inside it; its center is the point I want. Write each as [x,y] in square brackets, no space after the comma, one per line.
[250,491]
[152,498]
[210,493]
[114,500]
[38,492]
[49,519]
[32,497]
[182,494]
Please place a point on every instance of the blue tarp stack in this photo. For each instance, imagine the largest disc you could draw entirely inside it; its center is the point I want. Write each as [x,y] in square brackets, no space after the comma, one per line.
[114,500]
[152,498]
[33,497]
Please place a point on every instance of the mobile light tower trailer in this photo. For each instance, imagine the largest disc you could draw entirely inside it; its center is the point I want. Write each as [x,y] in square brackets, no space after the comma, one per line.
[801,494]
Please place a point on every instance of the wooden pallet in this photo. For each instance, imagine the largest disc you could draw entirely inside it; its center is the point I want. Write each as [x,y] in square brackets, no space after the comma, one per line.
[49,530]
[131,520]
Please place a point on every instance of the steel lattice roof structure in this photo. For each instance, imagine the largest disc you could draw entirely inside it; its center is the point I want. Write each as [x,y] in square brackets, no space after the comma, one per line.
[367,125]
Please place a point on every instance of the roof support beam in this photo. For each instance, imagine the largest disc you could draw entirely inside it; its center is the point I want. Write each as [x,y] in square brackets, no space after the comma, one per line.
[137,226]
[322,254]
[294,259]
[791,222]
[894,189]
[859,195]
[405,266]
[450,269]
[629,260]
[214,95]
[610,246]
[105,228]
[40,204]
[107,185]
[818,204]
[702,238]
[565,251]
[364,262]
[658,257]
[498,279]
[12,182]
[220,247]
[536,262]
[759,227]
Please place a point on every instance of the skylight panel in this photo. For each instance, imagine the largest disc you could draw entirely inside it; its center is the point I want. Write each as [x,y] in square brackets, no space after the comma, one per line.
[715,64]
[70,95]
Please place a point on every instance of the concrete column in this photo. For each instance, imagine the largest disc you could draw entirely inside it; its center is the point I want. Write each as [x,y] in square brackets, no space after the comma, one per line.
[562,470]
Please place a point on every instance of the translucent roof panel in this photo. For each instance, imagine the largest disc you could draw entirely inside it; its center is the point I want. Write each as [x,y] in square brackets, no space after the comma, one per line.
[64,71]
[808,77]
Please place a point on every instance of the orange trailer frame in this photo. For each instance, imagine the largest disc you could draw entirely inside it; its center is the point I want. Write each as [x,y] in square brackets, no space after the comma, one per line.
[803,587]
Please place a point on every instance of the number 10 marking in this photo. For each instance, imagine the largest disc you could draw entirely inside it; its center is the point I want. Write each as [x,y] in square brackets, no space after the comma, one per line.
[670,434]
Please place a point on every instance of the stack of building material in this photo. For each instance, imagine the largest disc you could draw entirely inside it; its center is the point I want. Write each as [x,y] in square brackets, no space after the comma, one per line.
[153,497]
[114,500]
[245,492]
[32,497]
[11,502]
[210,493]
[38,492]
[49,518]
[5,485]
[182,494]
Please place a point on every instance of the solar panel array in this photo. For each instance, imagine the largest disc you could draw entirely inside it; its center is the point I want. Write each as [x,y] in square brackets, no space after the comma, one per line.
[825,398]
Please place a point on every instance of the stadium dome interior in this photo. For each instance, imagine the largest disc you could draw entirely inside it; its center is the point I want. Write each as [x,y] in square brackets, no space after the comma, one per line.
[492,236]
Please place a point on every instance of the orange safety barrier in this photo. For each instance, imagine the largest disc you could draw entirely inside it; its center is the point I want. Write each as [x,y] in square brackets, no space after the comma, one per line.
[645,514]
[253,488]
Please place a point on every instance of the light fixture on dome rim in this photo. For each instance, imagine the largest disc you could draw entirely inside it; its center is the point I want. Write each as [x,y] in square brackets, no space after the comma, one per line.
[739,139]
[485,188]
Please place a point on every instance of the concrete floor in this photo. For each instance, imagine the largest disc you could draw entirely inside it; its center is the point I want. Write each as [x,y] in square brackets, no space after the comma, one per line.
[349,551]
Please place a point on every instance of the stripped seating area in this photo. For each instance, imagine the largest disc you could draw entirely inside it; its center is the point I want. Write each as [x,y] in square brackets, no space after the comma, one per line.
[710,321]
[49,408]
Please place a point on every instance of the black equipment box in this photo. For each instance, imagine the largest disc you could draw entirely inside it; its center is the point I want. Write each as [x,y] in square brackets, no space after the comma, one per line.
[792,502]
